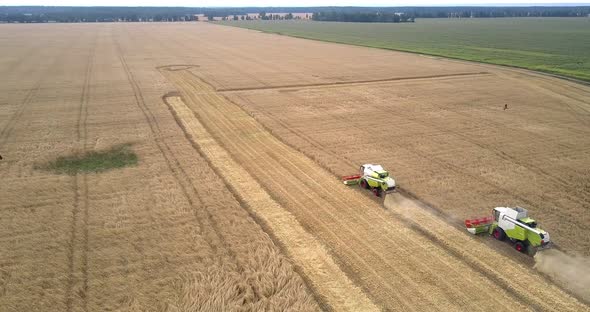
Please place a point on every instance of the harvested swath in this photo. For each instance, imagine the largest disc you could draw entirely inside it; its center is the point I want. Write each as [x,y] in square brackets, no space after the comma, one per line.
[306,251]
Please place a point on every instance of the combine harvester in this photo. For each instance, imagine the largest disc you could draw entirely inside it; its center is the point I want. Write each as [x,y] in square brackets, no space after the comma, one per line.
[514,224]
[372,177]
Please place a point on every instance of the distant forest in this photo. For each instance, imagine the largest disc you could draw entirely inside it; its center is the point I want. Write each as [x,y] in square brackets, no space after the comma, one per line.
[362,17]
[41,14]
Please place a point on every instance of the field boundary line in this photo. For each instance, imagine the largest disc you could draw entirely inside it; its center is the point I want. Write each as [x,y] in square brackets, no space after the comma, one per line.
[80,181]
[356,82]
[283,225]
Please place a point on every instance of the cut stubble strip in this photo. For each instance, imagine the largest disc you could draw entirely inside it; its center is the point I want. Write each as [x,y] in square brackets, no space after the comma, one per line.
[304,249]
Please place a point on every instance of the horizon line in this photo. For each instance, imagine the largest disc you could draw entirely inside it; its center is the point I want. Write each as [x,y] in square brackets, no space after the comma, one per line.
[321,6]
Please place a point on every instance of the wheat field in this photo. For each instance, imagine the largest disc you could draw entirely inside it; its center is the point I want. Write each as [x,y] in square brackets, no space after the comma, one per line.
[165,235]
[234,202]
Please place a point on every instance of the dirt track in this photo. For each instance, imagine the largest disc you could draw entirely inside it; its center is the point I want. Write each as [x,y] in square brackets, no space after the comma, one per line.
[178,231]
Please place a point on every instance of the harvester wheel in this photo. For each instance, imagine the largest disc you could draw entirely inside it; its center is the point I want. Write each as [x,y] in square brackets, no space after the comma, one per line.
[377,192]
[364,184]
[520,247]
[499,234]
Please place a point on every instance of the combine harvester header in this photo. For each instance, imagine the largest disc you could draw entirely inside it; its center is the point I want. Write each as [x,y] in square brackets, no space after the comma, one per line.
[479,225]
[351,179]
[513,224]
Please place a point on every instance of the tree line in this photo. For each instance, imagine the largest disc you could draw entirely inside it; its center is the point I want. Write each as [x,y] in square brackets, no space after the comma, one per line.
[273,17]
[467,11]
[360,17]
[260,16]
[491,12]
[41,14]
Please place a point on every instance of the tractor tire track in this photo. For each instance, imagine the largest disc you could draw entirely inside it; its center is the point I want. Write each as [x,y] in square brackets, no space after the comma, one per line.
[193,195]
[203,216]
[10,125]
[353,83]
[30,96]
[71,248]
[213,55]
[77,289]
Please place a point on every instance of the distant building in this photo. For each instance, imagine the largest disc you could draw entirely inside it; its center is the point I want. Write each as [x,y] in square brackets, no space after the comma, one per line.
[200,17]
[239,17]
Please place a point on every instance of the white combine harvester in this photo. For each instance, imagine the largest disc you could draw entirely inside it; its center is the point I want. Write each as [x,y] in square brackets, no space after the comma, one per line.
[374,178]
[513,224]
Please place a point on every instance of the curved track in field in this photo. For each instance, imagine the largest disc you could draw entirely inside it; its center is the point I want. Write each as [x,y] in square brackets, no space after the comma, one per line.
[407,259]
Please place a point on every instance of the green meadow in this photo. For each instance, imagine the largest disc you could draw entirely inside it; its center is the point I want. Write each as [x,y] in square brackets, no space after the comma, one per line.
[553,45]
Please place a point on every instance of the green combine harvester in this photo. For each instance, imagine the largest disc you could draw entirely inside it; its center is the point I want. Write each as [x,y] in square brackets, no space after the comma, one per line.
[374,178]
[513,224]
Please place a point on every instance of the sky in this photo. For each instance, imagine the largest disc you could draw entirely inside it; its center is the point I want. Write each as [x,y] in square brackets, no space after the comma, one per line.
[279,3]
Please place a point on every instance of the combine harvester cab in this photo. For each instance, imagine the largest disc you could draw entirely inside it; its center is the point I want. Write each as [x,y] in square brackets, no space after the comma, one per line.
[513,224]
[374,178]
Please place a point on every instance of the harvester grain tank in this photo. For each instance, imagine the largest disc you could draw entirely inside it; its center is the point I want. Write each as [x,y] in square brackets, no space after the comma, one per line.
[513,224]
[374,178]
